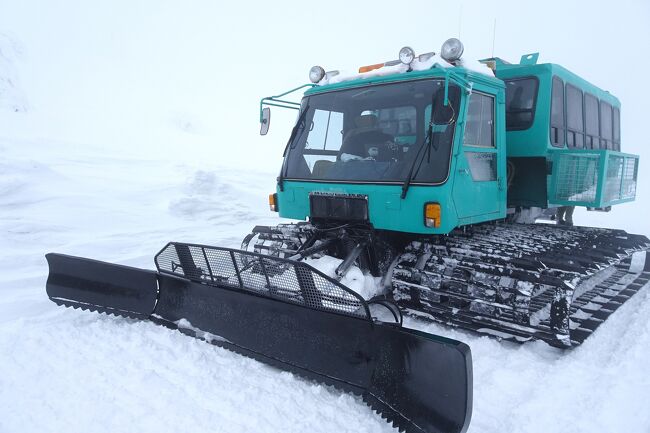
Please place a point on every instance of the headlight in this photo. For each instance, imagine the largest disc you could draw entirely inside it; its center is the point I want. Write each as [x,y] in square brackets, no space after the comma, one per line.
[452,50]
[316,73]
[406,55]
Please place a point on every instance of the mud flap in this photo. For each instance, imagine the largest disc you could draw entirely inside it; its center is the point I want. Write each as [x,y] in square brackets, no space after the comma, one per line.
[417,381]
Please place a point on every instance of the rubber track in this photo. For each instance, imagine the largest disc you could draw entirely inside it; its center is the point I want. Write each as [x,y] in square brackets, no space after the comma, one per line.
[453,275]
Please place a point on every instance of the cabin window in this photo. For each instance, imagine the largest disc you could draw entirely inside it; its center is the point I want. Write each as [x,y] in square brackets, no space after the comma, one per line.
[574,119]
[376,133]
[591,122]
[325,131]
[617,129]
[558,127]
[479,127]
[606,141]
[521,95]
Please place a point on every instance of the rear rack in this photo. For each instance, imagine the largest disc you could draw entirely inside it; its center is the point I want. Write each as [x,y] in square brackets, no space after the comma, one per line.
[271,277]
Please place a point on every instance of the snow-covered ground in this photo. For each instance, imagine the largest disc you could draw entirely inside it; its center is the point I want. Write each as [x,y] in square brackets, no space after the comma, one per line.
[67,370]
[105,157]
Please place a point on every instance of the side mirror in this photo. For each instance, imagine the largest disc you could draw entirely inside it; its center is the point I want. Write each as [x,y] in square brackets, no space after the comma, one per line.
[265,121]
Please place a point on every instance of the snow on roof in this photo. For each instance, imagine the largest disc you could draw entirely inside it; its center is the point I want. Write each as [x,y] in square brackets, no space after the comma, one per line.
[416,65]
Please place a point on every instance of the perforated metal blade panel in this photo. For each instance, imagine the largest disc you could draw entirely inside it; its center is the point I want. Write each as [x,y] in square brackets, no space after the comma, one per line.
[267,276]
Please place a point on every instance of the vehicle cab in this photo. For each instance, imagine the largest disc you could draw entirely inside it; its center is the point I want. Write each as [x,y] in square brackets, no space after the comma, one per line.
[415,145]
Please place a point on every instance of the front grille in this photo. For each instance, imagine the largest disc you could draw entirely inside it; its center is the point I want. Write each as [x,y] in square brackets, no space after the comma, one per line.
[340,207]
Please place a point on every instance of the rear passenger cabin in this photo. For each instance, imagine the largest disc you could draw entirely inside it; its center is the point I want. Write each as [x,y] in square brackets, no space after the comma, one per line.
[563,139]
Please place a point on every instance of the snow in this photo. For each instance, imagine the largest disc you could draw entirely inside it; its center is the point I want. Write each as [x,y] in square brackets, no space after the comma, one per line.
[96,169]
[416,65]
[365,285]
[476,66]
[64,369]
[186,325]
[348,75]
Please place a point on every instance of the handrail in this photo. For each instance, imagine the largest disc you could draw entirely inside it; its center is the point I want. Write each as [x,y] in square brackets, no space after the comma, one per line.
[276,102]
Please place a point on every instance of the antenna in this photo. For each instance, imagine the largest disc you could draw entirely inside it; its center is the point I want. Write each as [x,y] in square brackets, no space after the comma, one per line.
[494,35]
[460,19]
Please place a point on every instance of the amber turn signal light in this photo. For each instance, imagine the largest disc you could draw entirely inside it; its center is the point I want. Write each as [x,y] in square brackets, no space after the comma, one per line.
[432,215]
[370,68]
[273,202]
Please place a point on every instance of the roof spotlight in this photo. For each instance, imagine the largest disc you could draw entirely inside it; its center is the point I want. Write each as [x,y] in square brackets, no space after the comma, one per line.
[452,50]
[316,73]
[406,55]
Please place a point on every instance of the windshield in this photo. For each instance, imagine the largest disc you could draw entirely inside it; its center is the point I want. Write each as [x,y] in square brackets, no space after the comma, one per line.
[372,134]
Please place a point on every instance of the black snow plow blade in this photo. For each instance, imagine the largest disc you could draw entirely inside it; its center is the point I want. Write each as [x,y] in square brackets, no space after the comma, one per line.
[286,314]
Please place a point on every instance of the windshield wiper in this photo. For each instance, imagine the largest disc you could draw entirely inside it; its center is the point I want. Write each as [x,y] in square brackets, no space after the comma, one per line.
[290,144]
[428,144]
[413,171]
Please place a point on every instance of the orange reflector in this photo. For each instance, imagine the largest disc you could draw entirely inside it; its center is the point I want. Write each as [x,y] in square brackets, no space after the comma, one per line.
[273,202]
[432,214]
[370,68]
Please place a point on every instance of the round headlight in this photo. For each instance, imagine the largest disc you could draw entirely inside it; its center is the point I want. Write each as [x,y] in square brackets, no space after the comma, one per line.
[316,73]
[406,55]
[452,50]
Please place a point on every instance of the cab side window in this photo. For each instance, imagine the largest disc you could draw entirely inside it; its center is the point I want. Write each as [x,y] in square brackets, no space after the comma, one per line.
[617,129]
[325,130]
[479,127]
[558,128]
[574,118]
[606,139]
[521,96]
[591,122]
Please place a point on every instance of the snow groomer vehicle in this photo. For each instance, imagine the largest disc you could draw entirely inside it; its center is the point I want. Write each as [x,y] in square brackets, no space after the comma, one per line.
[428,173]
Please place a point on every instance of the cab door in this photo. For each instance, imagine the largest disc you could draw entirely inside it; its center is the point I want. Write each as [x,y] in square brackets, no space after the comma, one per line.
[479,185]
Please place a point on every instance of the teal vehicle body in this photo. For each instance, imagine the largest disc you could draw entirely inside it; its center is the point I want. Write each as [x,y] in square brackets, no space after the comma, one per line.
[463,200]
[534,156]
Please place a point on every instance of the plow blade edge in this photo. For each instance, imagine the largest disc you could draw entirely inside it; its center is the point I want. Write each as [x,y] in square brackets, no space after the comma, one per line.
[417,381]
[104,287]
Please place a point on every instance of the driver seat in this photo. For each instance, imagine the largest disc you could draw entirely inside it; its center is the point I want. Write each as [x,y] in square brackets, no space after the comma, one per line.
[356,141]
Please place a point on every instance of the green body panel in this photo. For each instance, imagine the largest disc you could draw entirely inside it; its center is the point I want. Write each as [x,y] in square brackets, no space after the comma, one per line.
[593,178]
[536,140]
[387,211]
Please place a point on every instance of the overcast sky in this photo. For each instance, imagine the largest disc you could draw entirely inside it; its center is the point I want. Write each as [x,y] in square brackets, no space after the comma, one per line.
[125,73]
